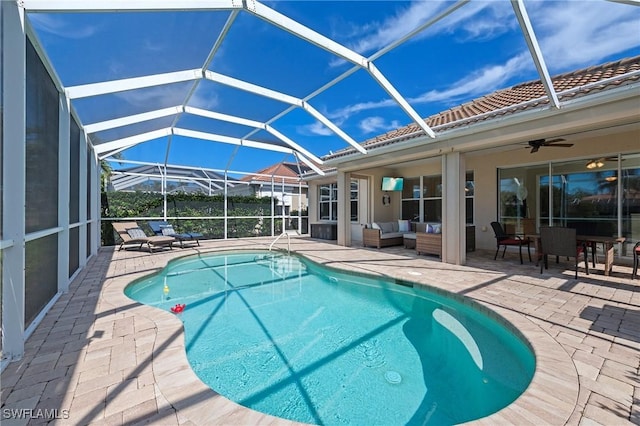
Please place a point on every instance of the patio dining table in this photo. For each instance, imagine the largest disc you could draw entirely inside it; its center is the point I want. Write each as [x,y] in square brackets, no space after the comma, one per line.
[590,241]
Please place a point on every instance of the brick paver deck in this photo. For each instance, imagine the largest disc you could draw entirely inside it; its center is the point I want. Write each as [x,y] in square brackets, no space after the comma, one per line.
[99,358]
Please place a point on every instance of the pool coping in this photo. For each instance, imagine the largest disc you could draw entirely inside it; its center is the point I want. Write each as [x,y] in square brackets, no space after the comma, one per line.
[550,398]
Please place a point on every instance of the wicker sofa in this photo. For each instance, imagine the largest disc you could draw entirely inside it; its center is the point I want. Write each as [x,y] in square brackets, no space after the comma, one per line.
[429,243]
[384,234]
[427,238]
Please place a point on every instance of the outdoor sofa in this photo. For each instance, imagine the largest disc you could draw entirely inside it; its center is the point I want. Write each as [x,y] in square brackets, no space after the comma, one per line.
[426,238]
[385,234]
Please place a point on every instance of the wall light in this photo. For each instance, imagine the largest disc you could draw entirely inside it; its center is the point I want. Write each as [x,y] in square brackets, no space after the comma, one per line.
[611,178]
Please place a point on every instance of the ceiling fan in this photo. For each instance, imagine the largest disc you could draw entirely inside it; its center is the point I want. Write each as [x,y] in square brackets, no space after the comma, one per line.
[536,144]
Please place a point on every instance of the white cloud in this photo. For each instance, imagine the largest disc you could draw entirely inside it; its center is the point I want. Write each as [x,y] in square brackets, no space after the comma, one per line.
[570,35]
[316,128]
[59,27]
[475,20]
[478,82]
[573,34]
[172,94]
[379,35]
[377,124]
[349,110]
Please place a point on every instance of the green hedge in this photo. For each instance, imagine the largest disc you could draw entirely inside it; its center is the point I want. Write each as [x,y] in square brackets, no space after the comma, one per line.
[149,204]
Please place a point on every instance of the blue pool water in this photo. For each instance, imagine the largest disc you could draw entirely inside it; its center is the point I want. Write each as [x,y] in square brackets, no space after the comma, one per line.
[287,337]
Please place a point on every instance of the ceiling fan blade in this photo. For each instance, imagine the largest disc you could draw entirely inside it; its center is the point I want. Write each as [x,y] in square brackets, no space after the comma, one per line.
[554,140]
[560,145]
[534,149]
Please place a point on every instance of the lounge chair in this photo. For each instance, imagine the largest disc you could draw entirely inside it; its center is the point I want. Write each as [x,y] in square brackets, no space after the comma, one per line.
[161,227]
[131,233]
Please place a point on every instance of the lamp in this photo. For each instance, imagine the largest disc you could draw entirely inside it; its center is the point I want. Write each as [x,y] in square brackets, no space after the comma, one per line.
[595,163]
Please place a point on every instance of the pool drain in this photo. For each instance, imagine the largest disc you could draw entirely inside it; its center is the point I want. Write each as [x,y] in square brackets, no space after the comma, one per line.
[393,377]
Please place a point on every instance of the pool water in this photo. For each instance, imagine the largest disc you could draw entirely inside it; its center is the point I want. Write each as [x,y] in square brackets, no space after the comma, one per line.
[285,336]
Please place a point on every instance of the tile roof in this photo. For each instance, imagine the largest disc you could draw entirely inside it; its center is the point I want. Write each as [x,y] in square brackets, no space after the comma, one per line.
[516,99]
[285,169]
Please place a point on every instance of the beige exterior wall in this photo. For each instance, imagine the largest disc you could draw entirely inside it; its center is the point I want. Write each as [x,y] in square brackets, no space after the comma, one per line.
[485,165]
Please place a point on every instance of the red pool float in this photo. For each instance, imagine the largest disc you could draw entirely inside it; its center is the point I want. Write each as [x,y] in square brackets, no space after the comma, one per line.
[178,308]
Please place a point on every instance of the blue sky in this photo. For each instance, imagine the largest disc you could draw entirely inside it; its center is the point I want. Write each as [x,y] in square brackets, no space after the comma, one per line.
[472,52]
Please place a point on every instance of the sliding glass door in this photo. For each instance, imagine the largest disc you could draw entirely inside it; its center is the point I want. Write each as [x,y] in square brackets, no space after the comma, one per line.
[599,196]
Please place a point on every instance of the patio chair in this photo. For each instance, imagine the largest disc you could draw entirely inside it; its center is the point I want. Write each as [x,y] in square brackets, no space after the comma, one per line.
[636,259]
[131,233]
[162,227]
[503,240]
[561,241]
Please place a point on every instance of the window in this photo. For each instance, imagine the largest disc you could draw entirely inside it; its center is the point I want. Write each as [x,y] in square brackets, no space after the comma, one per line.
[432,198]
[469,193]
[426,191]
[411,199]
[354,200]
[329,202]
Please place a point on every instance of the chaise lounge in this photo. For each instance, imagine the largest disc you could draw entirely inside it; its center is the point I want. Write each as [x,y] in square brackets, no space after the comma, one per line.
[130,233]
[162,227]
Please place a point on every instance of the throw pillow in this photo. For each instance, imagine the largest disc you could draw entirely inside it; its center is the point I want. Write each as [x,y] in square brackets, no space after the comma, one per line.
[437,229]
[168,230]
[403,225]
[375,225]
[136,233]
[429,229]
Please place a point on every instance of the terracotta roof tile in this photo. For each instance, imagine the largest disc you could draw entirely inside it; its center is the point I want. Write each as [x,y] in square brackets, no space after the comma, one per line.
[518,98]
[287,170]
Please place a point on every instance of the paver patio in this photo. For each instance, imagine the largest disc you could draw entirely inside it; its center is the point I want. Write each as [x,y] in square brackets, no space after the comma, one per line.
[100,358]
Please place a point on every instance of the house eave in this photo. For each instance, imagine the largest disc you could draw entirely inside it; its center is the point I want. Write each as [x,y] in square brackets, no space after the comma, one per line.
[613,107]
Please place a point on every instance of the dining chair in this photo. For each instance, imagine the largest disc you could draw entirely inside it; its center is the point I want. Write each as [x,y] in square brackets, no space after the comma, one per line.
[636,259]
[561,241]
[503,240]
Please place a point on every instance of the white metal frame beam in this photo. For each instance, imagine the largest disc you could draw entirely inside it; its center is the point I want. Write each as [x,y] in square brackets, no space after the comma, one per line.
[127,5]
[130,141]
[536,53]
[230,140]
[252,123]
[137,118]
[311,36]
[114,86]
[282,97]
[243,142]
[132,119]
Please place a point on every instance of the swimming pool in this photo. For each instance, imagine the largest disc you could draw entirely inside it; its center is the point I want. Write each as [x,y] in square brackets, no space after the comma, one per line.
[297,340]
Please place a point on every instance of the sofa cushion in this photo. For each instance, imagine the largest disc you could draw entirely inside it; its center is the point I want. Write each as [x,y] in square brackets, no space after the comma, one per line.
[387,227]
[387,235]
[403,226]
